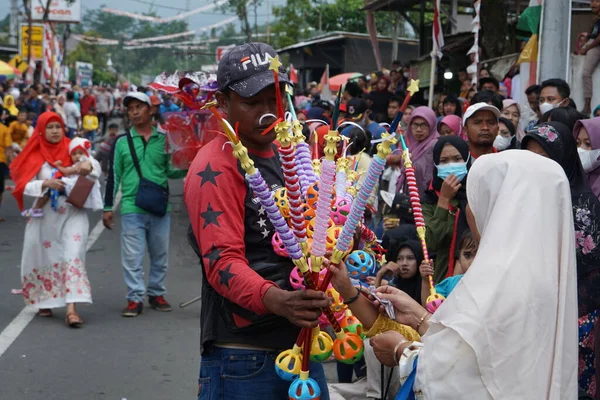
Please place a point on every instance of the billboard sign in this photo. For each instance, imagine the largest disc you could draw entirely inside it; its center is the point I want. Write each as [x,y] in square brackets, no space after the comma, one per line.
[60,11]
[84,71]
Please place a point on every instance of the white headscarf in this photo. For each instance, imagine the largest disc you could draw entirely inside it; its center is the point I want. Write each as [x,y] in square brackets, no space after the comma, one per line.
[509,328]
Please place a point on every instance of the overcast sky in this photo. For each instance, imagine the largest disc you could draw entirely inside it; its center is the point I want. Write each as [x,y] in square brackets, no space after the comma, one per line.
[138,6]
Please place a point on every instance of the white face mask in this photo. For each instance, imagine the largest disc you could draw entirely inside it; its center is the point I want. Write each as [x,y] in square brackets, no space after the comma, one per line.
[406,74]
[501,143]
[589,159]
[545,107]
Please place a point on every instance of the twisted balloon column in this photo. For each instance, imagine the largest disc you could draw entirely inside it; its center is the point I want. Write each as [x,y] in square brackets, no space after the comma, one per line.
[264,195]
[324,201]
[360,202]
[303,160]
[341,177]
[302,155]
[435,299]
[292,184]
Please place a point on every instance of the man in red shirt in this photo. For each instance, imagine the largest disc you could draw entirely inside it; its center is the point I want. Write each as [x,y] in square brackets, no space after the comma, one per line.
[87,101]
[249,314]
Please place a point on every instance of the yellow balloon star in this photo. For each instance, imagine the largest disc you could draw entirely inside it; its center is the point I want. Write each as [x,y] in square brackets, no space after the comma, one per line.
[274,64]
[413,87]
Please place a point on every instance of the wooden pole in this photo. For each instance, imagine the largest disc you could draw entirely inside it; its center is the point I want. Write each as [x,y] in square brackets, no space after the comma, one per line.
[432,79]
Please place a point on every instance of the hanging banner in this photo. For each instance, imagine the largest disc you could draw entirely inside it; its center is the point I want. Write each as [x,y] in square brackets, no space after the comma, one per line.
[60,10]
[164,20]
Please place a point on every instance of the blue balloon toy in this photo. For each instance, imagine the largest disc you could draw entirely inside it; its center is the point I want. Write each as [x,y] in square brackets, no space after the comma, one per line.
[360,264]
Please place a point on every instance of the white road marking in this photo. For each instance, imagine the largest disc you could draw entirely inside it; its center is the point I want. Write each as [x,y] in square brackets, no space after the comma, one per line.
[20,322]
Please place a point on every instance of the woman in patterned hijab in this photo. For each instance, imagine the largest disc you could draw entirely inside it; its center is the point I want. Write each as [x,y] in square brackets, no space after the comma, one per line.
[555,140]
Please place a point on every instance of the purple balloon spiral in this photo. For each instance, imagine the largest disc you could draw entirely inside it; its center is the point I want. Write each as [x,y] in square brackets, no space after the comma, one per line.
[360,202]
[265,197]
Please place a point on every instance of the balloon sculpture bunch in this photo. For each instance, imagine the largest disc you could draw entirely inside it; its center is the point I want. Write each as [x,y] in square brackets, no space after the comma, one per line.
[187,131]
[316,217]
[434,300]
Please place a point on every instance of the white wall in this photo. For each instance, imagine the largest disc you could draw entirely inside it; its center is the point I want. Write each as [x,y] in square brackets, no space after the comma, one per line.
[576,83]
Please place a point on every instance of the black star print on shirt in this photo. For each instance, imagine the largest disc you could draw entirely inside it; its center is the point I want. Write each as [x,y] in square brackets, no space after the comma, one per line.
[211,216]
[213,255]
[225,276]
[208,175]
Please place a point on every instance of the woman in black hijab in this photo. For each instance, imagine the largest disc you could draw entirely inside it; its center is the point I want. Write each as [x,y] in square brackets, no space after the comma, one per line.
[406,270]
[555,140]
[445,201]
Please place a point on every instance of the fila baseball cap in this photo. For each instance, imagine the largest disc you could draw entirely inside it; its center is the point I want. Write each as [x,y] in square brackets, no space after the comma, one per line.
[245,69]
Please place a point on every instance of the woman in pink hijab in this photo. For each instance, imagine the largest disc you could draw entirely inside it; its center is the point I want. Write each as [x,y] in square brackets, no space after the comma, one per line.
[587,134]
[421,134]
[511,110]
[452,125]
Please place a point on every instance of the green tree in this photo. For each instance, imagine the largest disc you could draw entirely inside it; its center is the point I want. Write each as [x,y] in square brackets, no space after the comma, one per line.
[240,8]
[292,22]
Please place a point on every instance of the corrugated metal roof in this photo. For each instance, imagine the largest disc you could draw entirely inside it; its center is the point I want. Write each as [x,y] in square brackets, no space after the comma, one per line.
[400,5]
[338,35]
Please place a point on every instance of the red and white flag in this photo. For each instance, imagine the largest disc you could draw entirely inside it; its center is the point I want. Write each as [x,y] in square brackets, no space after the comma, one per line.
[293,74]
[438,35]
[324,85]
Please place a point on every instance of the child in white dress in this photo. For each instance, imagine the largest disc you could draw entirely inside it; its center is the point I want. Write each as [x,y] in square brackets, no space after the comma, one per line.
[79,150]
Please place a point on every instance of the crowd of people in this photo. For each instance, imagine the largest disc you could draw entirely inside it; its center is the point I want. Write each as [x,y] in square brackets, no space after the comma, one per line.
[47,143]
[510,200]
[493,180]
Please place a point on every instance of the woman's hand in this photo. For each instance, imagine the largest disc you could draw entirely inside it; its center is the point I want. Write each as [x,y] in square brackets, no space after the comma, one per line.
[450,187]
[584,49]
[387,268]
[408,311]
[341,281]
[384,345]
[55,184]
[426,270]
[84,168]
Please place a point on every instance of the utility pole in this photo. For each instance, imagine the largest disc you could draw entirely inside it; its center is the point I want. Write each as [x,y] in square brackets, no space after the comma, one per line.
[554,46]
[395,36]
[268,22]
[187,21]
[14,22]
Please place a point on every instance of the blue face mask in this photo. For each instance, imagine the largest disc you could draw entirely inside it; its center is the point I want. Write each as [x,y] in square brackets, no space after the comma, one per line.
[458,169]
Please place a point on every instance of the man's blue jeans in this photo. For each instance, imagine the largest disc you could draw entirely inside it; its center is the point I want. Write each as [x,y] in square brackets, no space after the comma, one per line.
[234,374]
[137,230]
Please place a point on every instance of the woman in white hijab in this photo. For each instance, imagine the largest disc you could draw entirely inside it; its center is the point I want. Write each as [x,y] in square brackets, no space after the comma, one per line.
[509,328]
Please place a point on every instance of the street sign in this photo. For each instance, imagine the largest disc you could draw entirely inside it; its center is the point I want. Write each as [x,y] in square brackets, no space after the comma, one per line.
[221,50]
[19,63]
[60,11]
[37,41]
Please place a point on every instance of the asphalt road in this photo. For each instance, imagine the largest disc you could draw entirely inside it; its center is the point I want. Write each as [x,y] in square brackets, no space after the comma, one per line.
[152,357]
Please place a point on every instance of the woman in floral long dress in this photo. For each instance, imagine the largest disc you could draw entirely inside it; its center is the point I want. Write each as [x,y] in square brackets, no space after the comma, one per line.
[556,141]
[53,261]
